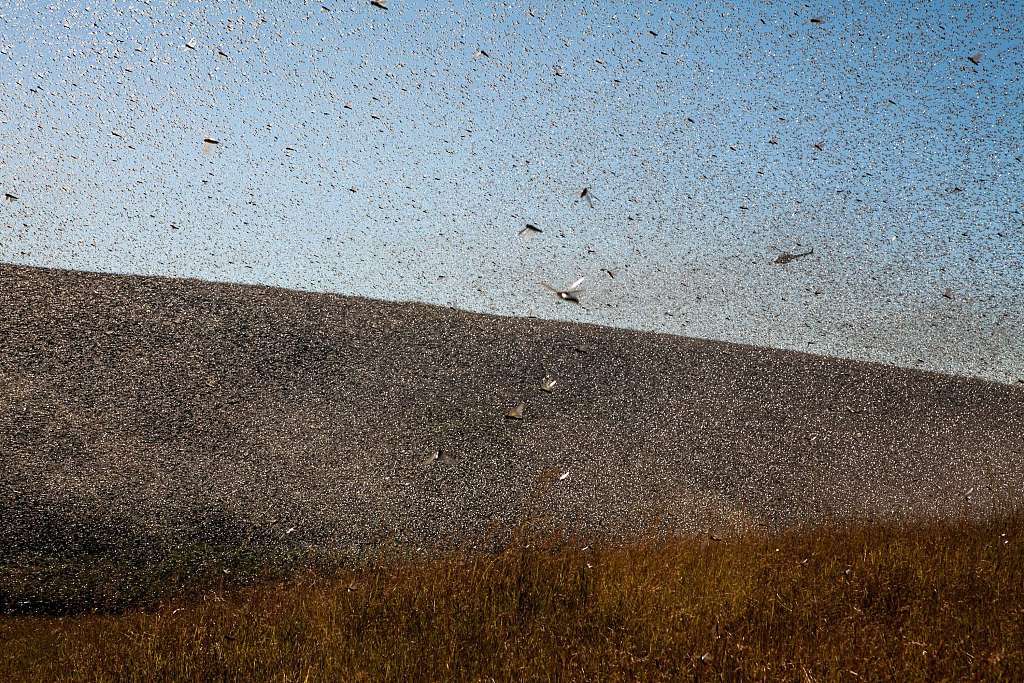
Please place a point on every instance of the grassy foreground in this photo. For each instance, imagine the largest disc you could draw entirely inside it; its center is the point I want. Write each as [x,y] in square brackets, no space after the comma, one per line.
[934,602]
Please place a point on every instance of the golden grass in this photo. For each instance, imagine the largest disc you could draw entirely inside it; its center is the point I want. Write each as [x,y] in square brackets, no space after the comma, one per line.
[942,601]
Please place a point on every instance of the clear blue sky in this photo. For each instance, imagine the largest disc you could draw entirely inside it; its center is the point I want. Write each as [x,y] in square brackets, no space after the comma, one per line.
[916,187]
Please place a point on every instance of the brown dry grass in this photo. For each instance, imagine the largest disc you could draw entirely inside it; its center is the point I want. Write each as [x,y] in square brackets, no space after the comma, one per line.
[942,601]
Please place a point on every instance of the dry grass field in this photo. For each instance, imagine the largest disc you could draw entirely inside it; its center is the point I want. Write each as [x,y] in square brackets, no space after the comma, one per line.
[940,601]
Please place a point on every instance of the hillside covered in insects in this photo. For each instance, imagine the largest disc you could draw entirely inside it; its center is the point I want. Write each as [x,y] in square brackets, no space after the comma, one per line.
[143,413]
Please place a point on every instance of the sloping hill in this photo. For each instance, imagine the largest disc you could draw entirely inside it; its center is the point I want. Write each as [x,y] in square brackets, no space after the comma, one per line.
[148,410]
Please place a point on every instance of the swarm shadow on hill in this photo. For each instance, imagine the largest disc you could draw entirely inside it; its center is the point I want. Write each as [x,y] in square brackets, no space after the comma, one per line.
[139,411]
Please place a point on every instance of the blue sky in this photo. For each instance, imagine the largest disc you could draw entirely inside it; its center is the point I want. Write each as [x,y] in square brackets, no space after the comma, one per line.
[916,187]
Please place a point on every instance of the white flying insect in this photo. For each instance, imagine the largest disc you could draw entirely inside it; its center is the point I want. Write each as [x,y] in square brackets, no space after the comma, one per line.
[569,293]
[516,413]
[436,457]
[432,458]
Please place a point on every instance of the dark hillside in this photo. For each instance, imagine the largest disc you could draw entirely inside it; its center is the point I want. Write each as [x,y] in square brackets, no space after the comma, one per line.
[142,412]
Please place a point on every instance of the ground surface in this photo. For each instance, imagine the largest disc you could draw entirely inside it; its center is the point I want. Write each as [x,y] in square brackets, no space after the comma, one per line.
[141,414]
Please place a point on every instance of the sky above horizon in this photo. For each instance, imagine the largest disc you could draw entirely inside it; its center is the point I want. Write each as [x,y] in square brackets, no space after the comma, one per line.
[397,154]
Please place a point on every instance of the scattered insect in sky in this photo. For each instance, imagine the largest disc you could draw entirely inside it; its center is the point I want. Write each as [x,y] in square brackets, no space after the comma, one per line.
[787,257]
[529,230]
[569,293]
